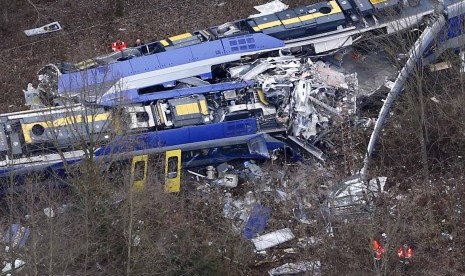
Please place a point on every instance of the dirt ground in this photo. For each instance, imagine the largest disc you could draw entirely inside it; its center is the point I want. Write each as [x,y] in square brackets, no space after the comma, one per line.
[90,26]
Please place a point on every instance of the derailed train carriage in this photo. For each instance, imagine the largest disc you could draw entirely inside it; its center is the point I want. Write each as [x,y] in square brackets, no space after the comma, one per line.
[128,76]
[201,129]
[175,94]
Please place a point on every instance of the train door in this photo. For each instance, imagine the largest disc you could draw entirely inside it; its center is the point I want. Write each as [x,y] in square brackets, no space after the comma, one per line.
[173,171]
[139,171]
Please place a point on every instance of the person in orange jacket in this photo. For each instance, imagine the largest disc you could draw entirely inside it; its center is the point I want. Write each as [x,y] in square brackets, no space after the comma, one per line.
[118,45]
[404,253]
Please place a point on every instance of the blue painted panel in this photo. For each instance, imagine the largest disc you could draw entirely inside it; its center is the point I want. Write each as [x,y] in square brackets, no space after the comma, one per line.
[175,57]
[144,64]
[257,221]
[16,237]
[69,82]
[80,80]
[250,43]
[120,69]
[207,50]
[180,136]
[455,26]
[206,76]
[240,44]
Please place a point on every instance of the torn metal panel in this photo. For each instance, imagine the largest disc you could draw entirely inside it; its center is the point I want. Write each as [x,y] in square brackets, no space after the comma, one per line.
[325,106]
[269,8]
[254,171]
[257,221]
[16,236]
[194,81]
[48,28]
[272,239]
[229,180]
[10,267]
[309,148]
[355,196]
[329,76]
[257,69]
[240,70]
[313,267]
[32,97]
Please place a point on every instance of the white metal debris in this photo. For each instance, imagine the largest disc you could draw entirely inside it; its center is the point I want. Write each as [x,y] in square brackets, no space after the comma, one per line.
[32,97]
[310,98]
[49,28]
[229,180]
[272,239]
[18,266]
[355,196]
[295,268]
[269,8]
[49,212]
[254,170]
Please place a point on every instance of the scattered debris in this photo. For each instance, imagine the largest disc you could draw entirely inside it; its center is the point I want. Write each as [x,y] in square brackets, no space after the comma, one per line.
[196,174]
[32,97]
[269,8]
[447,235]
[239,210]
[353,199]
[49,212]
[440,66]
[211,173]
[434,99]
[308,242]
[49,28]
[18,266]
[272,239]
[310,98]
[313,267]
[257,221]
[16,236]
[254,171]
[229,180]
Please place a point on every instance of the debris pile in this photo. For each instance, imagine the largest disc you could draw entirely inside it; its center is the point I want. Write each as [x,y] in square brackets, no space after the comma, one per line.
[310,97]
[15,238]
[285,210]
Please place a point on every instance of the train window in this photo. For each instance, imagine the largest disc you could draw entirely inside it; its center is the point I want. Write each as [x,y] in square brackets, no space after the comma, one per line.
[172,167]
[325,10]
[38,130]
[139,170]
[142,117]
[236,149]
[154,89]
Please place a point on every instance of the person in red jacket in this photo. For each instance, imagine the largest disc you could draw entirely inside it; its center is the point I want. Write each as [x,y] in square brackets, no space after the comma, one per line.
[378,250]
[118,45]
[404,253]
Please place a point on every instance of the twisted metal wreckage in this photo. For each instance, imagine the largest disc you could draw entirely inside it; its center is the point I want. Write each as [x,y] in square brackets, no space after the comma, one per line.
[260,86]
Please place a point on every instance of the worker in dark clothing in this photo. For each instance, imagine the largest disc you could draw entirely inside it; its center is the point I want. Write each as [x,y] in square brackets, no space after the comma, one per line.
[138,43]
